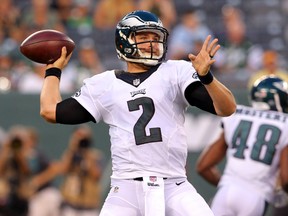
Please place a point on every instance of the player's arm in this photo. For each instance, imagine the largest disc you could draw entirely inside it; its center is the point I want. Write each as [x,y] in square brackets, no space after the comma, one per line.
[50,94]
[197,95]
[284,169]
[207,163]
[52,108]
[223,100]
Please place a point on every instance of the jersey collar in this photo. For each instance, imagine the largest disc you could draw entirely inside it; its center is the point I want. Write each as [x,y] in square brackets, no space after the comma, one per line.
[135,79]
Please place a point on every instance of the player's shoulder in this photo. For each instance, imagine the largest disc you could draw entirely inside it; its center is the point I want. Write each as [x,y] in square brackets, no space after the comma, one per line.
[243,109]
[178,68]
[176,64]
[269,116]
[106,75]
[240,109]
[100,83]
[101,80]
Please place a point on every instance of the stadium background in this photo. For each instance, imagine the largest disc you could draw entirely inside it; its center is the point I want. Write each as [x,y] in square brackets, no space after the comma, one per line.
[266,23]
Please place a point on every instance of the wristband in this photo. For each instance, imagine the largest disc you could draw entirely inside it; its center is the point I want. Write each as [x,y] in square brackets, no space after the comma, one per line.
[53,72]
[206,79]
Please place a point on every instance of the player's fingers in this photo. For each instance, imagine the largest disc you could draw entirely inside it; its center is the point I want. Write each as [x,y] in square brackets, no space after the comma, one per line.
[214,51]
[213,48]
[191,57]
[212,44]
[206,42]
[212,61]
[61,61]
[63,52]
[68,58]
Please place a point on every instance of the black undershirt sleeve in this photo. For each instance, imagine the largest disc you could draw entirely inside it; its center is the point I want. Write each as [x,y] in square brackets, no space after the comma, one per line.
[197,95]
[69,111]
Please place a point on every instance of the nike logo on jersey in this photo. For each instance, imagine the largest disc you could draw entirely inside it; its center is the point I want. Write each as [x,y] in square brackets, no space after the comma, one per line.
[179,183]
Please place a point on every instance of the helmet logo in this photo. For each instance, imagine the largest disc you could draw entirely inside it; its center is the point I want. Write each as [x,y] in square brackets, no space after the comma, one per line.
[280,86]
[122,35]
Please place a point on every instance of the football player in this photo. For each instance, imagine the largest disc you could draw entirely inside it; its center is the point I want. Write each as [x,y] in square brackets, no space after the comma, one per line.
[144,108]
[255,143]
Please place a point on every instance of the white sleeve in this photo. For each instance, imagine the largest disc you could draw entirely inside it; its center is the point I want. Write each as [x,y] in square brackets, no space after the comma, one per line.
[84,97]
[186,75]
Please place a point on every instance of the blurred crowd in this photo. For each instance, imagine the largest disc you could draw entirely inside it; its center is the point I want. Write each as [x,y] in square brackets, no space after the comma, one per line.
[27,175]
[91,24]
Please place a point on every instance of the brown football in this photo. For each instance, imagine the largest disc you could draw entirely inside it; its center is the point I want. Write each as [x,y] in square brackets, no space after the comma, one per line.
[45,46]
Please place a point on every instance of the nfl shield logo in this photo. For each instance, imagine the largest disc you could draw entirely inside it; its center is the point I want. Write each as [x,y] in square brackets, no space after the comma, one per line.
[136,82]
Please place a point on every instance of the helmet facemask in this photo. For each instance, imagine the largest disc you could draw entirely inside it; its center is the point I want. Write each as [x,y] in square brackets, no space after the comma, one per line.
[146,56]
[131,50]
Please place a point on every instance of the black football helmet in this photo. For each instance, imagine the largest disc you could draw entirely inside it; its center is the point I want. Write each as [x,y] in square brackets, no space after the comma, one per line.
[270,93]
[127,47]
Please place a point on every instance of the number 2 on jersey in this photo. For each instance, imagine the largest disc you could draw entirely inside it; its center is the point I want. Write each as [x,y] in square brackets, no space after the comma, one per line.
[139,128]
[264,147]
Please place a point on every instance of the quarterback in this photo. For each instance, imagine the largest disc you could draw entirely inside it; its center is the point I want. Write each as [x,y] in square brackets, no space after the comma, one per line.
[144,107]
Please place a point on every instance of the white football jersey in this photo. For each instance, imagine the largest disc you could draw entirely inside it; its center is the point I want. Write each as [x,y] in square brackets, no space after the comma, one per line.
[145,118]
[255,139]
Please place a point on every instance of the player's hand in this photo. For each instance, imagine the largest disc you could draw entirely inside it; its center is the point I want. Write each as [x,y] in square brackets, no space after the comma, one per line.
[204,59]
[62,61]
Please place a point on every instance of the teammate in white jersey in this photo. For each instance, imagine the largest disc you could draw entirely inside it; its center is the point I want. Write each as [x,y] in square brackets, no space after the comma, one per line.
[144,108]
[255,142]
